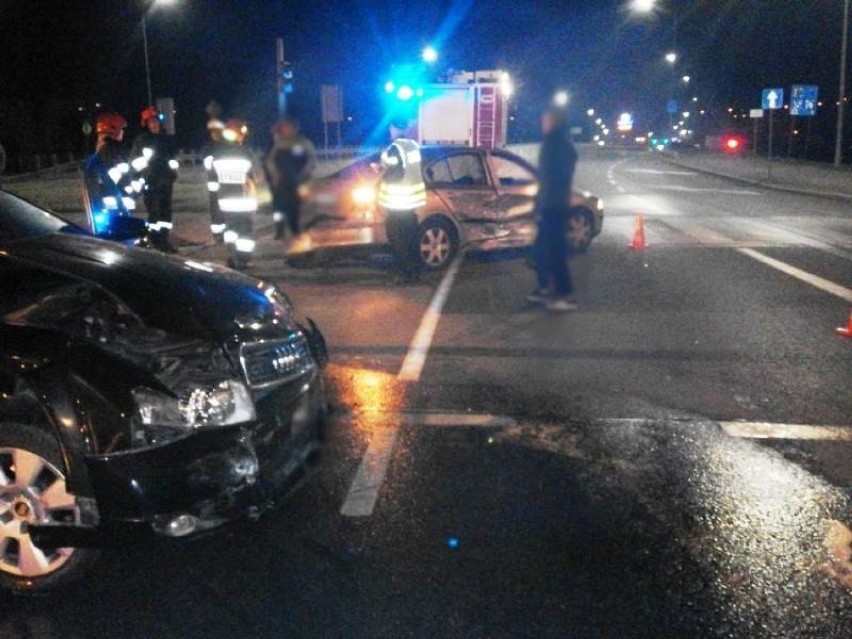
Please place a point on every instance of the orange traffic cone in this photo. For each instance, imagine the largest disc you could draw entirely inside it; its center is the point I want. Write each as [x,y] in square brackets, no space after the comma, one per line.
[638,241]
[846,331]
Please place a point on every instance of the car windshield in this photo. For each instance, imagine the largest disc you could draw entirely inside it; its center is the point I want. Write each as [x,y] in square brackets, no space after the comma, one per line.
[20,219]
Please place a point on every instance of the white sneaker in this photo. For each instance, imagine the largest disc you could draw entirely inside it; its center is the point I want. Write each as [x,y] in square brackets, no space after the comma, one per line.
[561,305]
[538,296]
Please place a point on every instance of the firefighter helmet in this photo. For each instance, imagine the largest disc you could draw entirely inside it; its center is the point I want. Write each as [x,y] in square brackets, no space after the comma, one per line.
[110,124]
[236,130]
[147,114]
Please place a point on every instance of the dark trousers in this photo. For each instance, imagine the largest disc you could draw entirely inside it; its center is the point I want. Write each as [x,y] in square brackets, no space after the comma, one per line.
[550,252]
[158,203]
[401,228]
[286,200]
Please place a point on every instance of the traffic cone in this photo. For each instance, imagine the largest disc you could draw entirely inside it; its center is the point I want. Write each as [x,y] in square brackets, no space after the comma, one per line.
[846,331]
[638,241]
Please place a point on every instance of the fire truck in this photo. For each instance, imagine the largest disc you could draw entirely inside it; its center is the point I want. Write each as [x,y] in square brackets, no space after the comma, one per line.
[464,108]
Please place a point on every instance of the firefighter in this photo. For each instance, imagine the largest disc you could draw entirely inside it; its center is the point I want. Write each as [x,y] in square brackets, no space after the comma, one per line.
[289,165]
[153,159]
[401,192]
[236,192]
[215,129]
[109,188]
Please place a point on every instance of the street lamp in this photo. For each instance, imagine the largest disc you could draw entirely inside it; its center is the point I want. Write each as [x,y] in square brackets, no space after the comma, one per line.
[561,99]
[590,113]
[686,79]
[643,6]
[153,4]
[430,55]
[671,57]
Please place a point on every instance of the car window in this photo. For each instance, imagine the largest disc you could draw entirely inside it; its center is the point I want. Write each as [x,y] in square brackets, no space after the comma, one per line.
[462,169]
[20,219]
[508,172]
[438,173]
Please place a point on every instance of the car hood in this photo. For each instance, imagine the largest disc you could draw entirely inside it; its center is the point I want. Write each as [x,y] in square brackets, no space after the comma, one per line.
[177,295]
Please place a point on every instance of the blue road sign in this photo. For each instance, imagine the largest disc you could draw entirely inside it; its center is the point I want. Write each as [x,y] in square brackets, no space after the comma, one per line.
[773,99]
[672,107]
[803,100]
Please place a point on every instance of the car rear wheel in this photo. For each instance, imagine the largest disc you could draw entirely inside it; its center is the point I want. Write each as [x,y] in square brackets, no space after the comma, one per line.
[580,229]
[437,244]
[33,491]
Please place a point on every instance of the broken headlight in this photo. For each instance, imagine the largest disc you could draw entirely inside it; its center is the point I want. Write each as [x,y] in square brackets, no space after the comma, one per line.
[162,417]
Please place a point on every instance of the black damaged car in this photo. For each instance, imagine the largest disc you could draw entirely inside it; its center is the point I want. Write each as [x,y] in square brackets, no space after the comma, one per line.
[140,394]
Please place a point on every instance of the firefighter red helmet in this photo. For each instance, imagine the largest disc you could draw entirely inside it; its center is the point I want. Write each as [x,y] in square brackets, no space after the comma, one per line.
[147,114]
[236,130]
[110,124]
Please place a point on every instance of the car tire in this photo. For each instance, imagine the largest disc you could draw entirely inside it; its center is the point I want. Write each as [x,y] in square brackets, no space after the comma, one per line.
[580,228]
[39,496]
[437,244]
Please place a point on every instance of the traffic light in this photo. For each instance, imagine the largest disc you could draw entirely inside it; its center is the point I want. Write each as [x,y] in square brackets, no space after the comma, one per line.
[286,73]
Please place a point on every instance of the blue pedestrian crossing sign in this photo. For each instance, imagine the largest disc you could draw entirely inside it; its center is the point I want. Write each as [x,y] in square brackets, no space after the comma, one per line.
[773,99]
[803,100]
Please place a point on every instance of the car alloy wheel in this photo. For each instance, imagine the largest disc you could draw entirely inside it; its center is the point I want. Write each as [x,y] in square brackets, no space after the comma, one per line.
[579,229]
[436,246]
[32,491]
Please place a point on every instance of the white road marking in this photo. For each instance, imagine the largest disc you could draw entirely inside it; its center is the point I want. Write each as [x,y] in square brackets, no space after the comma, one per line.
[660,172]
[442,419]
[621,189]
[364,491]
[767,430]
[412,365]
[809,278]
[689,189]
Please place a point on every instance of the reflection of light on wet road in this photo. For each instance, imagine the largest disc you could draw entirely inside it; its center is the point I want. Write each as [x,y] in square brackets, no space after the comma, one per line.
[758,524]
[371,395]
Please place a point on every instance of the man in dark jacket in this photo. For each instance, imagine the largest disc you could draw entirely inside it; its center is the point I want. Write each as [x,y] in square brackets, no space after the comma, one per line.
[557,161]
[153,159]
[289,165]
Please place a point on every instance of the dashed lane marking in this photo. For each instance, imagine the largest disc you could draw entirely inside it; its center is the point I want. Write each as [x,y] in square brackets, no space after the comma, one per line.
[364,491]
[661,172]
[767,430]
[809,278]
[689,189]
[412,365]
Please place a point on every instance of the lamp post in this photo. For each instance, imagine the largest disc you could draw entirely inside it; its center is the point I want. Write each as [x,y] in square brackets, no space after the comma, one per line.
[153,4]
[841,92]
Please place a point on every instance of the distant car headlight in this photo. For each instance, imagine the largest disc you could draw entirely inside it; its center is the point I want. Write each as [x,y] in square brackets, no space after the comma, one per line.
[364,195]
[162,417]
[600,204]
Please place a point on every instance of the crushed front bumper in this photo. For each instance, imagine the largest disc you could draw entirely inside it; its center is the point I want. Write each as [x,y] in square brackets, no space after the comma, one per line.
[205,480]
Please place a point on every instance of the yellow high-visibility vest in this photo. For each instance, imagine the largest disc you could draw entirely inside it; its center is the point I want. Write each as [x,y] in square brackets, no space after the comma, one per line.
[401,187]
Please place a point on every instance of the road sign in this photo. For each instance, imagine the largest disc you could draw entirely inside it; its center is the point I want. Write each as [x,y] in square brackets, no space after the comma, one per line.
[755,113]
[803,100]
[672,107]
[331,103]
[773,99]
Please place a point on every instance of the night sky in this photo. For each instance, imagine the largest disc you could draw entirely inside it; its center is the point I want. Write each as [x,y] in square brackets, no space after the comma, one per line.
[56,56]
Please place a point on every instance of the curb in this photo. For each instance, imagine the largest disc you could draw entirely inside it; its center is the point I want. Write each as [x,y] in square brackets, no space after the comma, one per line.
[771,186]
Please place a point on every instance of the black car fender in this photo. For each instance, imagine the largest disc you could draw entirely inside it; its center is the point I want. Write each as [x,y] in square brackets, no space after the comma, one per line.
[67,380]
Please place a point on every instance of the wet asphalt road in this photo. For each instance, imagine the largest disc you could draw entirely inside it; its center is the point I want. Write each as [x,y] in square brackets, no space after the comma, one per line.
[550,476]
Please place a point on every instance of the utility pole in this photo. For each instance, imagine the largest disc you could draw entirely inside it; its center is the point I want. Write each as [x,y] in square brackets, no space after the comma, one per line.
[841,97]
[147,62]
